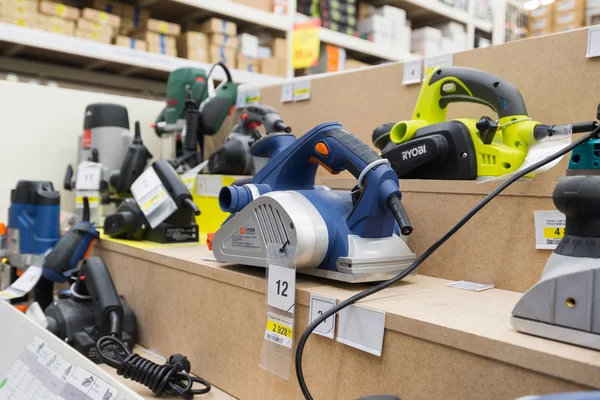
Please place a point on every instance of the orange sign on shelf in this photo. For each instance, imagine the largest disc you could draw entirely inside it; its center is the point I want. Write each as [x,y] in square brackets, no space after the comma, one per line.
[306,44]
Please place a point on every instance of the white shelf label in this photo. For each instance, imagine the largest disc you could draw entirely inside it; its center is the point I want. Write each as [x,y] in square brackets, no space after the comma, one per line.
[549,229]
[593,47]
[152,197]
[413,72]
[281,288]
[471,286]
[287,92]
[88,176]
[445,60]
[362,328]
[319,305]
[302,90]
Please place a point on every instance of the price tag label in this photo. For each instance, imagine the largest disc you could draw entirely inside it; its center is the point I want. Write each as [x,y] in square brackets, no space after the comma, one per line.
[287,92]
[152,197]
[240,101]
[549,229]
[279,330]
[319,305]
[281,288]
[413,72]
[593,46]
[302,90]
[88,176]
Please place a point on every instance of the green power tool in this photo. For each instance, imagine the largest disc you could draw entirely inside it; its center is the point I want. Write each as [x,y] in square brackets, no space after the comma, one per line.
[431,147]
[191,109]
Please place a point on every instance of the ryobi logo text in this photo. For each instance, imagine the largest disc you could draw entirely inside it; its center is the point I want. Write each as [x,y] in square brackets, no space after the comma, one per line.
[416,151]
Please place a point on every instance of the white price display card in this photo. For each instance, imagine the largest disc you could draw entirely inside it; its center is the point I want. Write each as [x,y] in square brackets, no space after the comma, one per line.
[281,288]
[88,176]
[549,229]
[152,197]
[319,305]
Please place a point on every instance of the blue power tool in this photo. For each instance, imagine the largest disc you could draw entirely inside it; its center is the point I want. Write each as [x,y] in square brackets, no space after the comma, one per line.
[283,218]
[33,229]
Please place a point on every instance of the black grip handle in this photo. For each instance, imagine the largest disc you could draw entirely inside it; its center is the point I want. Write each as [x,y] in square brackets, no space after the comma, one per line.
[356,146]
[499,94]
[381,135]
[58,260]
[68,182]
[103,294]
[172,182]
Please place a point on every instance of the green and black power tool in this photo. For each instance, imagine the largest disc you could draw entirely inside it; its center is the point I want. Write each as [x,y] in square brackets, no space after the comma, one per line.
[190,109]
[431,147]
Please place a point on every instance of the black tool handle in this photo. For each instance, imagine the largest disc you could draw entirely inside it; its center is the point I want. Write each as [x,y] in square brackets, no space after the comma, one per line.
[98,282]
[174,185]
[59,259]
[68,181]
[381,135]
[499,94]
[357,148]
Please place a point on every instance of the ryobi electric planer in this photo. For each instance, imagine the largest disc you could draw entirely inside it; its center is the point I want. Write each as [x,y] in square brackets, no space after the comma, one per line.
[283,218]
[430,147]
[233,156]
[563,305]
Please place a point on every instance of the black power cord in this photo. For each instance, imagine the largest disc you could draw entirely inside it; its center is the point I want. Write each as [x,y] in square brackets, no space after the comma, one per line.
[170,379]
[426,253]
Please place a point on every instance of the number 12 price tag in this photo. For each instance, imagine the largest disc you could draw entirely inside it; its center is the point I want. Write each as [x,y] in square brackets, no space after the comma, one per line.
[281,288]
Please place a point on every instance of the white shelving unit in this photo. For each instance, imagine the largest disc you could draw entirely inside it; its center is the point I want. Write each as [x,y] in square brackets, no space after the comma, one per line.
[59,49]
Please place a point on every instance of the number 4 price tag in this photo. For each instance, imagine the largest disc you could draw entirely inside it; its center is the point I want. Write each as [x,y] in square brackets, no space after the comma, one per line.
[412,72]
[281,288]
[549,229]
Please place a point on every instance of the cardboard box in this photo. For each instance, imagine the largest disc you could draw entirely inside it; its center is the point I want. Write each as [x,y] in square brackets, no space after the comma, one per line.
[569,13]
[131,43]
[264,52]
[354,64]
[248,45]
[193,46]
[215,25]
[103,36]
[18,12]
[264,5]
[157,39]
[19,8]
[279,48]
[29,19]
[95,27]
[131,23]
[222,54]
[167,51]
[108,6]
[273,67]
[219,39]
[246,63]
[164,27]
[101,18]
[56,25]
[59,10]
[561,6]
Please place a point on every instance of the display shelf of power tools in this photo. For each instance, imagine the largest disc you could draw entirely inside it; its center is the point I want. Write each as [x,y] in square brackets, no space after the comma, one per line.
[470,323]
[37,44]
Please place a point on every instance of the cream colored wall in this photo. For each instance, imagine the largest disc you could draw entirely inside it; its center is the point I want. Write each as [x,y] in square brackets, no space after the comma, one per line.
[40,126]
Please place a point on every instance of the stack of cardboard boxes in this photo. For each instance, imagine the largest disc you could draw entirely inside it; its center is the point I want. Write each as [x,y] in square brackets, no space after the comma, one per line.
[276,63]
[57,18]
[19,12]
[159,36]
[132,17]
[560,16]
[385,26]
[211,41]
[445,38]
[97,25]
[248,53]
[592,12]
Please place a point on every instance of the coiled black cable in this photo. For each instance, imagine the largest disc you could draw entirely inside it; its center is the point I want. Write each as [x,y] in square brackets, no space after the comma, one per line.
[170,379]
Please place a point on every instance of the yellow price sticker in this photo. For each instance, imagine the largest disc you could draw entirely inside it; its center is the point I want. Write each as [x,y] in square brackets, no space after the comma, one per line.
[554,233]
[153,200]
[90,200]
[306,44]
[253,99]
[103,16]
[20,22]
[279,328]
[163,27]
[302,91]
[60,10]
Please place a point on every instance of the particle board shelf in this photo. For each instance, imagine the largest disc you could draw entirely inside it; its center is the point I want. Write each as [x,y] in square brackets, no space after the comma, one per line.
[66,50]
[421,307]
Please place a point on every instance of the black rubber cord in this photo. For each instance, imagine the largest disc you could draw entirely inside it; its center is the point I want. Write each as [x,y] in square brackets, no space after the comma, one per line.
[425,255]
[169,379]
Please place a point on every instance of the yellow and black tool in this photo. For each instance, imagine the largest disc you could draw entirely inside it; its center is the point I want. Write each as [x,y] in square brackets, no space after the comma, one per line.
[431,147]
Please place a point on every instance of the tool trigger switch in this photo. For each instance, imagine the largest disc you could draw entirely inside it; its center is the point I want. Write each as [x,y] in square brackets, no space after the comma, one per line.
[322,149]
